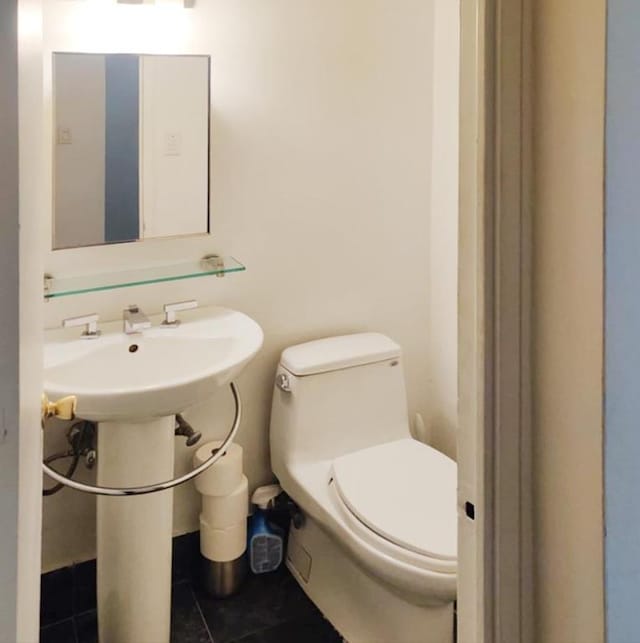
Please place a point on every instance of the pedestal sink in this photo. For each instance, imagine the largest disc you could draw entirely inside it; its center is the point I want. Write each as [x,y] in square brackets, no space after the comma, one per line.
[133,386]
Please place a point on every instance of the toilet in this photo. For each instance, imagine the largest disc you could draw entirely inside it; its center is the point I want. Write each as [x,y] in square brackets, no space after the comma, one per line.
[375,544]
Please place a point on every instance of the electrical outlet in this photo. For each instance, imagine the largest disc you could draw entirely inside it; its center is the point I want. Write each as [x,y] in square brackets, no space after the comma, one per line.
[65,136]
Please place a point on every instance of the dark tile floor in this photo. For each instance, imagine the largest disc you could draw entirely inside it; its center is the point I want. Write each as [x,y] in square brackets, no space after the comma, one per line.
[270,608]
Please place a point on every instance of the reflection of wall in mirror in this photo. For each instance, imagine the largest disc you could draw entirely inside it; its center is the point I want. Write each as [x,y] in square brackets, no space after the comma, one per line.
[175,145]
[79,150]
[121,183]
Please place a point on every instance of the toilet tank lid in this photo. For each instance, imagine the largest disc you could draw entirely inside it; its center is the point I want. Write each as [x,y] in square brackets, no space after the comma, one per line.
[337,353]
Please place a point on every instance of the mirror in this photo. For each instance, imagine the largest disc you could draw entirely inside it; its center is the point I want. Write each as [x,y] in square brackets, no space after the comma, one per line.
[131,148]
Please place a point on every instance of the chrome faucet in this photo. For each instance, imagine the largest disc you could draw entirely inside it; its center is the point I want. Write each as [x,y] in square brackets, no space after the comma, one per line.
[134,320]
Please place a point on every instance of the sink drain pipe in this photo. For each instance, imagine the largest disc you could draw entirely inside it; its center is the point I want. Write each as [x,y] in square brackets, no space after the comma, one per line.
[160,486]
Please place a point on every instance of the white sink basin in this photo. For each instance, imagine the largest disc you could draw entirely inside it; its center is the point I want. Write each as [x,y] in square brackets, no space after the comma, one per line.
[157,373]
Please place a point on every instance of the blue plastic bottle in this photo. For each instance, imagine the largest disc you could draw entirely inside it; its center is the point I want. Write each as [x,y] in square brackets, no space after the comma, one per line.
[265,540]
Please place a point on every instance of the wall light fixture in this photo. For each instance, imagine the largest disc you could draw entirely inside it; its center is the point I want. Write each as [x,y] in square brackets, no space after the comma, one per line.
[187,4]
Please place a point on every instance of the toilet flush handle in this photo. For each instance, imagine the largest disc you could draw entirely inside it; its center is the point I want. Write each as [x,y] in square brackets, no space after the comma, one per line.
[283,383]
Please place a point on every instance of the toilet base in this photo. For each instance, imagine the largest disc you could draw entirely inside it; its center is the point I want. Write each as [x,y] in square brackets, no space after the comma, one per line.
[361,608]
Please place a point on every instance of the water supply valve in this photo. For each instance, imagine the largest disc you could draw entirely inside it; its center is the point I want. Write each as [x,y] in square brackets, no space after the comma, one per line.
[184,429]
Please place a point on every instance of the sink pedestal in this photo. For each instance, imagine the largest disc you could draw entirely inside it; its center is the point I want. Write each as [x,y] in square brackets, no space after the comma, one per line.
[134,535]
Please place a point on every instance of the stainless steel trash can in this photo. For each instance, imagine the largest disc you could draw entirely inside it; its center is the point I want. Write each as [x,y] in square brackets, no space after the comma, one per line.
[221,580]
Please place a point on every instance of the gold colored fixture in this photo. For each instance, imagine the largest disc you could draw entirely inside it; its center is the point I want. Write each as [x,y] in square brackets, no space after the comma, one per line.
[64,409]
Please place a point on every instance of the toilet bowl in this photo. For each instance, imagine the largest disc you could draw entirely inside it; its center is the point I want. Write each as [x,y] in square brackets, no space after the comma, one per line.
[377,551]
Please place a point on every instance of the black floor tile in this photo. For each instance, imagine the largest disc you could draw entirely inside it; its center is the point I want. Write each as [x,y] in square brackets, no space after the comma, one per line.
[305,631]
[270,608]
[84,587]
[56,589]
[63,632]
[87,627]
[264,601]
[187,625]
[186,556]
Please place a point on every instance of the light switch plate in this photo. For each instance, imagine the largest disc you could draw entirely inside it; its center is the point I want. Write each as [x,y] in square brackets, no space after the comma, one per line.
[173,144]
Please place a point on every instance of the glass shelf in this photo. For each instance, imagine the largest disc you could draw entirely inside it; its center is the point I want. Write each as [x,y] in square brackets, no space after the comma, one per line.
[55,287]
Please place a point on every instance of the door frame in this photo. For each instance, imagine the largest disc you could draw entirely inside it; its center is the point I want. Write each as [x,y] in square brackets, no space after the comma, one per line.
[31,265]
[495,477]
[9,319]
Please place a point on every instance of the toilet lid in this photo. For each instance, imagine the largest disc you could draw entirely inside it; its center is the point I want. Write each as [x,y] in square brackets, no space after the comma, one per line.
[405,491]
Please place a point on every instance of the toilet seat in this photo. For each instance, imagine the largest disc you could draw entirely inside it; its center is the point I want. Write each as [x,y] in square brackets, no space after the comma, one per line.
[420,579]
[405,492]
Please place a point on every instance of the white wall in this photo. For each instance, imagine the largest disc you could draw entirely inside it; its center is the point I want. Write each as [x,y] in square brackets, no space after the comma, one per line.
[174,102]
[79,165]
[443,248]
[322,152]
[568,319]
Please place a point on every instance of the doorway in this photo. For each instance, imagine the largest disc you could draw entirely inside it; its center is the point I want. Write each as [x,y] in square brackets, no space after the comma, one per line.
[494,512]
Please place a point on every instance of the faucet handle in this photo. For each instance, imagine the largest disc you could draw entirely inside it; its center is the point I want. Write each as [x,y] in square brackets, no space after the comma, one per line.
[170,318]
[89,321]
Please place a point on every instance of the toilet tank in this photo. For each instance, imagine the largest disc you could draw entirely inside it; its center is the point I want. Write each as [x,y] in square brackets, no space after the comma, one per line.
[334,396]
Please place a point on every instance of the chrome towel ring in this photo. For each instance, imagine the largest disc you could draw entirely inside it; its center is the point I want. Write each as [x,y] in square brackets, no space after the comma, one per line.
[160,486]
